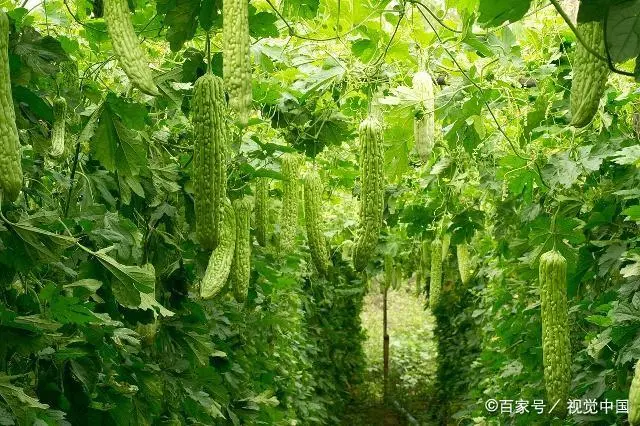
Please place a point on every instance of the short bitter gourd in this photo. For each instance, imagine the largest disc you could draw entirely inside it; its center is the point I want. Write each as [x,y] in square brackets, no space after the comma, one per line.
[132,58]
[634,397]
[424,121]
[262,210]
[219,267]
[291,194]
[435,285]
[59,126]
[241,267]
[462,254]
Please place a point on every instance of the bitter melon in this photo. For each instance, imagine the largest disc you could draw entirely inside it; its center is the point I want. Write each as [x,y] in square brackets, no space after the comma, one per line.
[209,161]
[10,166]
[462,253]
[262,210]
[372,192]
[59,126]
[236,56]
[556,347]
[634,397]
[435,285]
[132,58]
[313,220]
[424,121]
[590,74]
[291,194]
[221,258]
[241,267]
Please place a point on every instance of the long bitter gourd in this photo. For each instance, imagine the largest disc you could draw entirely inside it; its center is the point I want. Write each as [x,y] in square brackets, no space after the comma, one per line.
[262,210]
[241,268]
[424,121]
[219,267]
[10,166]
[590,74]
[209,162]
[372,192]
[435,285]
[313,220]
[556,347]
[291,193]
[131,57]
[236,56]
[59,126]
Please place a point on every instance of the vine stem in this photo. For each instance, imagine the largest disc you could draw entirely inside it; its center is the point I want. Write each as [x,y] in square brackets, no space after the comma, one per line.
[71,180]
[588,48]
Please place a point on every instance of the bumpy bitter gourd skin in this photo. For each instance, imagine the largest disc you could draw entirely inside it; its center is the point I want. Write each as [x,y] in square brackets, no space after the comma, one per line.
[59,125]
[634,397]
[241,267]
[462,253]
[590,75]
[10,166]
[132,58]
[209,161]
[262,210]
[372,192]
[424,119]
[435,286]
[221,258]
[237,58]
[313,219]
[556,347]
[291,194]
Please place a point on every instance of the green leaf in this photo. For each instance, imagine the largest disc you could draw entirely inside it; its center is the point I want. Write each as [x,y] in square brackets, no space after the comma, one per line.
[262,24]
[494,13]
[180,19]
[623,30]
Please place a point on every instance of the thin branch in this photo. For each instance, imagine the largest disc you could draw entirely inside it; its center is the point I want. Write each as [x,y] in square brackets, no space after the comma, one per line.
[393,35]
[440,21]
[75,18]
[588,48]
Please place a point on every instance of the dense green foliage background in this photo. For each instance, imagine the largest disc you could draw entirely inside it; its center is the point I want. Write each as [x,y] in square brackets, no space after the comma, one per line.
[99,320]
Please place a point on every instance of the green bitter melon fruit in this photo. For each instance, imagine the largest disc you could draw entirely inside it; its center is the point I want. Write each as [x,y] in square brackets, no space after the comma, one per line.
[59,126]
[372,192]
[291,194]
[209,162]
[241,267]
[556,347]
[424,119]
[634,397]
[236,56]
[219,267]
[262,210]
[313,219]
[464,262]
[131,57]
[590,74]
[435,285]
[10,165]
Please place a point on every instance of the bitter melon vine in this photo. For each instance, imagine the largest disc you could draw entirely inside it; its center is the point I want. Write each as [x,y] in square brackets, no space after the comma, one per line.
[423,121]
[262,210]
[371,193]
[462,253]
[435,286]
[590,75]
[10,166]
[237,59]
[221,258]
[634,397]
[132,58]
[59,125]
[313,220]
[291,193]
[556,348]
[209,163]
[241,268]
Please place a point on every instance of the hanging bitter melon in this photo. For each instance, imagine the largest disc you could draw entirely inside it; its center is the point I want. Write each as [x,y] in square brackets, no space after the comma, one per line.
[59,126]
[241,267]
[424,118]
[313,219]
[236,56]
[291,194]
[10,166]
[371,193]
[219,267]
[132,58]
[262,210]
[209,162]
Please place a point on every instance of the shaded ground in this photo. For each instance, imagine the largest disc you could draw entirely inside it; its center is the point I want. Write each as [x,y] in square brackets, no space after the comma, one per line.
[412,364]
